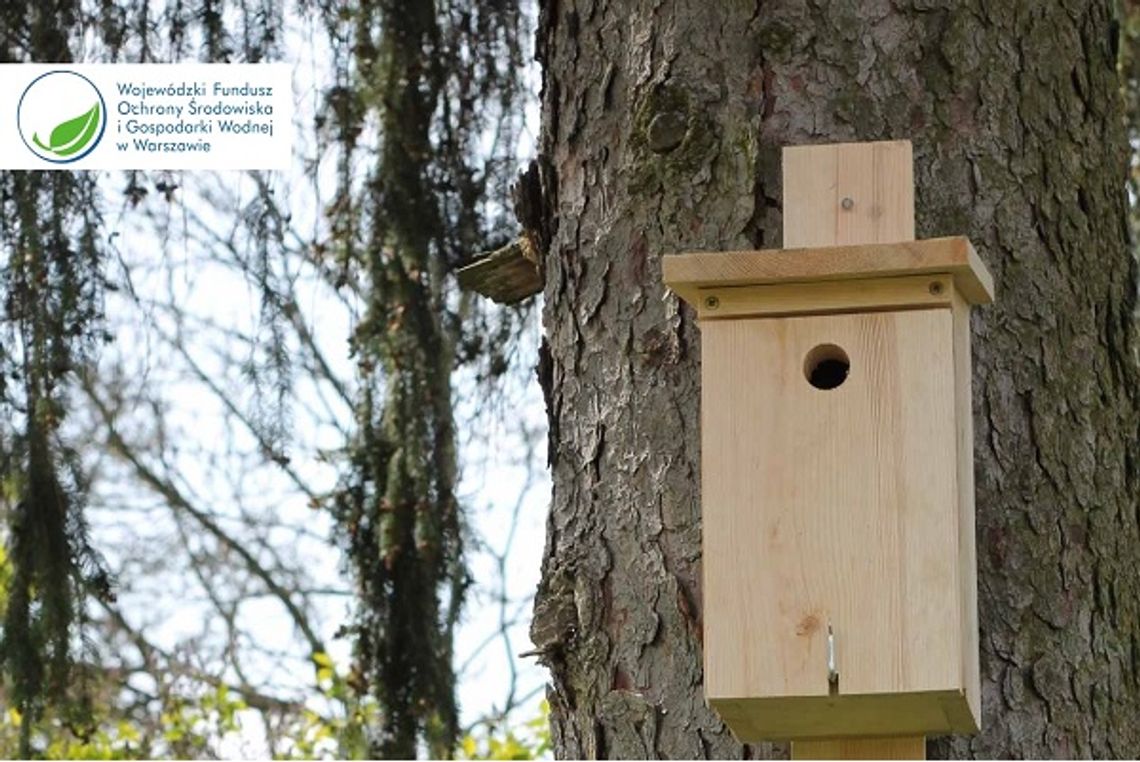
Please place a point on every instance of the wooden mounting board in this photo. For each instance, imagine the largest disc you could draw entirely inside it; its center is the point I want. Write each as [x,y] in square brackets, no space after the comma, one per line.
[848,193]
[908,747]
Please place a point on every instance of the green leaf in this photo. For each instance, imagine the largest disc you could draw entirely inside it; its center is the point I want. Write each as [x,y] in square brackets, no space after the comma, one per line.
[72,136]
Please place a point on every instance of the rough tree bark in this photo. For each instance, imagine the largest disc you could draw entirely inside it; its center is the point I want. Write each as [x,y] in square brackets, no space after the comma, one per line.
[662,125]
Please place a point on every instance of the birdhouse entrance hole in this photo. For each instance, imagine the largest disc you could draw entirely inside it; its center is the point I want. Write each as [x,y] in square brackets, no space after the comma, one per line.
[826,366]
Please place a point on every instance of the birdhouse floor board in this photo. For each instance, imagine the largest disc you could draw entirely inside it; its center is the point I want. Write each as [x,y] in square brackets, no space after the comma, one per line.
[688,273]
[862,716]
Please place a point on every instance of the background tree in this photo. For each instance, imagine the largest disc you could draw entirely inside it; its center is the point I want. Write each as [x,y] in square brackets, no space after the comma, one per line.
[662,132]
[412,124]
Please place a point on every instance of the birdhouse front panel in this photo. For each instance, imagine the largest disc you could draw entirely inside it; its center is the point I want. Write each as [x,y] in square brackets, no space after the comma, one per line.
[830,507]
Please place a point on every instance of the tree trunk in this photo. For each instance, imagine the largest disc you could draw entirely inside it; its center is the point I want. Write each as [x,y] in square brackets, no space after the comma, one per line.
[662,129]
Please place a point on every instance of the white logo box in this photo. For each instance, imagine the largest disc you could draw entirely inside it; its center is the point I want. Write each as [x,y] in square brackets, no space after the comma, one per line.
[146,116]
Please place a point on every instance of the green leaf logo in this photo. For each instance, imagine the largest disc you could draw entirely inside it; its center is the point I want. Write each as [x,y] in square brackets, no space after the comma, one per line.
[72,136]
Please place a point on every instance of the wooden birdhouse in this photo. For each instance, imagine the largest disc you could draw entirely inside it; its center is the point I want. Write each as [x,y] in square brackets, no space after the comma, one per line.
[837,490]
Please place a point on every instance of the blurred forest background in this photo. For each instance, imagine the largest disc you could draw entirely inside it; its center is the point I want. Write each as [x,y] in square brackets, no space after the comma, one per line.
[271,483]
[264,469]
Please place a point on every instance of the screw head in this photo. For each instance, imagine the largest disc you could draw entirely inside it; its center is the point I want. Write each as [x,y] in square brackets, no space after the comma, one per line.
[847,203]
[936,288]
[711,302]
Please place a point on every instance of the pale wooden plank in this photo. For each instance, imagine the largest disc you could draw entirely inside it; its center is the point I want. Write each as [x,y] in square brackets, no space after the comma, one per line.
[834,505]
[811,213]
[912,747]
[812,718]
[967,541]
[688,273]
[825,297]
[877,178]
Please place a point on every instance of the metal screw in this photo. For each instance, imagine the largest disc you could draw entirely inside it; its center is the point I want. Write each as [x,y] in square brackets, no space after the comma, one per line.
[935,288]
[848,203]
[711,302]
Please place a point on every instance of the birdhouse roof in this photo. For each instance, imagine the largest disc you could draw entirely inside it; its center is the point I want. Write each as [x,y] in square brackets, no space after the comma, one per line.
[687,274]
